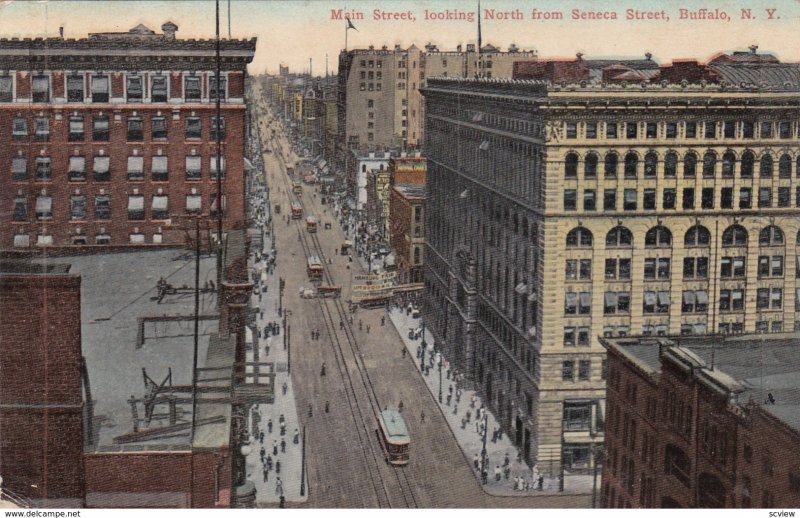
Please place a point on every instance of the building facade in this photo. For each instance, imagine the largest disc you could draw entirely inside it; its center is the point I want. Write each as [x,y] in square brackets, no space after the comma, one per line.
[407,223]
[558,212]
[106,148]
[707,422]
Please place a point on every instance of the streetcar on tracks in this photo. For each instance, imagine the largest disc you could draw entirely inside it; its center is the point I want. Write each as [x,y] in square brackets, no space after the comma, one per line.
[314,268]
[346,246]
[311,224]
[393,436]
[329,291]
[297,210]
[297,188]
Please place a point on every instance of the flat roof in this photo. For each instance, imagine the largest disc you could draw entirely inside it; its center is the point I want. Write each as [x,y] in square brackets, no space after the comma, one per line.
[127,332]
[395,424]
[749,366]
[411,191]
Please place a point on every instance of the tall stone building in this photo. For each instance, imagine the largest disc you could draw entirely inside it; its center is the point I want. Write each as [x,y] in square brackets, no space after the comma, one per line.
[604,198]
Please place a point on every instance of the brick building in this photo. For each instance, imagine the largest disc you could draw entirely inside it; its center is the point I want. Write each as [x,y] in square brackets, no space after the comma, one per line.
[563,208]
[702,422]
[106,140]
[406,219]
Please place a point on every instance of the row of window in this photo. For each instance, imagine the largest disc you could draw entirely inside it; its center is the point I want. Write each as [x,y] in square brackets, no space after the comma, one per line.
[99,88]
[101,172]
[669,199]
[101,133]
[660,236]
[23,239]
[746,165]
[102,206]
[729,129]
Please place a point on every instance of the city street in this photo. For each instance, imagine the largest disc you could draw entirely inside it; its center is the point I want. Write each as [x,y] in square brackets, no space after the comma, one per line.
[366,371]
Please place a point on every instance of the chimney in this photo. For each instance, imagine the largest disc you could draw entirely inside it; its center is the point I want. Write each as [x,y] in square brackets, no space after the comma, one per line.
[648,55]
[579,56]
[753,49]
[169,30]
[61,32]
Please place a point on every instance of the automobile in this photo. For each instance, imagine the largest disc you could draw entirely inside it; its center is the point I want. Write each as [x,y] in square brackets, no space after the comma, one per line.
[415,313]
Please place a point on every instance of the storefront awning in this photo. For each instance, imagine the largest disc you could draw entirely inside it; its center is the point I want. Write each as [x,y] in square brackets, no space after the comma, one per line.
[702,297]
[663,298]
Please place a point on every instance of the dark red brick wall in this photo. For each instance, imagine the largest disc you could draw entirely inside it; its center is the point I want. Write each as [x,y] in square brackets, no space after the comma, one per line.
[236,84]
[23,84]
[40,349]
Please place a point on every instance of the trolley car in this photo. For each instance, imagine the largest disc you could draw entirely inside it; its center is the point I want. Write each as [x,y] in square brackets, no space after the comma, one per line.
[393,436]
[297,188]
[297,210]
[331,291]
[314,268]
[311,224]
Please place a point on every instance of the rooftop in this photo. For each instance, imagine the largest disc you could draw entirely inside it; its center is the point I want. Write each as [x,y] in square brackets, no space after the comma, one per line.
[746,367]
[411,191]
[395,424]
[136,346]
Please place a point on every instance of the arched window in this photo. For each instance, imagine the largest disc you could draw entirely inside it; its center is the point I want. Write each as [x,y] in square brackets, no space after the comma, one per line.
[765,168]
[619,236]
[690,165]
[709,164]
[579,237]
[650,161]
[770,236]
[590,165]
[698,235]
[677,464]
[631,163]
[658,236]
[728,164]
[748,160]
[571,165]
[611,162]
[735,235]
[785,167]
[671,164]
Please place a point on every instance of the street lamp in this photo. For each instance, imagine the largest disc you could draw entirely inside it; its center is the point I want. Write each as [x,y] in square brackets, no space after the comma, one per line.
[424,343]
[440,376]
[483,451]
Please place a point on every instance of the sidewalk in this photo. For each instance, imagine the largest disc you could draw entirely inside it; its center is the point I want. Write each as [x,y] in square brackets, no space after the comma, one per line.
[468,437]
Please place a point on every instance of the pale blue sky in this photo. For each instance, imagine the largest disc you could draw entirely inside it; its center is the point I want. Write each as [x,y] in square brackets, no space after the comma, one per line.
[292,31]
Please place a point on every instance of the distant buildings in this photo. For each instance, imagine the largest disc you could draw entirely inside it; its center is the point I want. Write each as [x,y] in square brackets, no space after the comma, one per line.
[709,421]
[604,198]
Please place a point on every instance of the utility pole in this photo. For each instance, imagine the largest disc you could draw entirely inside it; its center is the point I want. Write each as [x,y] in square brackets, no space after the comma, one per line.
[484,468]
[303,465]
[220,204]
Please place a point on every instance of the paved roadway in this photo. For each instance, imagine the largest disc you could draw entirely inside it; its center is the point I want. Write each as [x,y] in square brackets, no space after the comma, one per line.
[344,460]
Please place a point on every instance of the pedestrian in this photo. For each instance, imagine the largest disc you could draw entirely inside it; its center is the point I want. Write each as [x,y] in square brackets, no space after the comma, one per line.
[540,486]
[506,460]
[341,325]
[422,417]
[469,415]
[400,406]
[278,486]
[281,420]
[449,397]
[266,474]
[463,423]
[310,411]
[322,369]
[506,472]
[261,437]
[359,325]
[403,352]
[285,387]
[263,453]
[472,401]
[283,429]
[275,447]
[327,406]
[475,461]
[283,445]
[269,462]
[485,476]
[477,426]
[458,395]
[383,321]
[450,389]
[494,435]
[296,437]
[269,425]
[367,328]
[497,473]
[455,409]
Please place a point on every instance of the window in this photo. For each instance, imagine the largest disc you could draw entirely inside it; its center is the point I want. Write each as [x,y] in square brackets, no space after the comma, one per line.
[571,165]
[577,415]
[656,302]
[735,235]
[688,198]
[631,130]
[19,168]
[691,130]
[76,129]
[570,199]
[102,206]
[784,196]
[649,201]
[629,200]
[590,200]
[745,198]
[710,130]
[698,235]
[591,130]
[619,236]
[193,128]
[75,89]
[100,128]
[590,165]
[728,163]
[732,267]
[19,128]
[584,370]
[729,129]
[134,88]
[41,127]
[213,167]
[135,129]
[785,129]
[100,89]
[44,207]
[650,161]
[748,129]
[159,128]
[785,167]
[690,165]
[707,198]
[765,167]
[656,267]
[579,269]
[770,266]
[43,169]
[135,168]
[194,203]
[572,130]
[579,237]
[568,370]
[6,89]
[672,130]
[20,208]
[214,128]
[651,130]
[214,203]
[101,169]
[191,88]
[631,163]
[212,85]
[135,207]
[77,207]
[658,236]
[731,300]
[709,164]
[160,206]
[694,302]
[569,336]
[103,238]
[41,89]
[610,199]
[77,169]
[770,236]
[610,165]
[159,169]
[158,89]
[726,198]
[695,267]
[193,167]
[671,164]
[619,268]
[764,197]
[616,302]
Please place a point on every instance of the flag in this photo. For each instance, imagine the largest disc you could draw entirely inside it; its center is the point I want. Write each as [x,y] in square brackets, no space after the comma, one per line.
[350,24]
